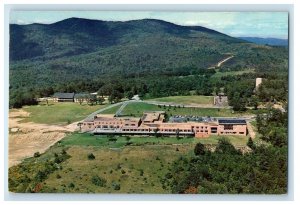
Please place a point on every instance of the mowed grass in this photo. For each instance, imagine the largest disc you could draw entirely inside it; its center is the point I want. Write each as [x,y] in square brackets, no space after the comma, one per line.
[112,110]
[59,113]
[192,99]
[86,139]
[137,109]
[228,73]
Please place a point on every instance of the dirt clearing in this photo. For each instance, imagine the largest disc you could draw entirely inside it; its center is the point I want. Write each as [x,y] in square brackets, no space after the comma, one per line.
[26,138]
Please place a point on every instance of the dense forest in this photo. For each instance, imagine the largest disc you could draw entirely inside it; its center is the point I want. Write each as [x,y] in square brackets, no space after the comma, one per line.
[152,58]
[228,170]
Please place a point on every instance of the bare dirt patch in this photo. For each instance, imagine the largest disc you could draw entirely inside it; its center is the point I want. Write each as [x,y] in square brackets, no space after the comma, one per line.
[26,138]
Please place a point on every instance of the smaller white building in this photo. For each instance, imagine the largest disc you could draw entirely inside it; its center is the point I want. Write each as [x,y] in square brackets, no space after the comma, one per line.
[258,82]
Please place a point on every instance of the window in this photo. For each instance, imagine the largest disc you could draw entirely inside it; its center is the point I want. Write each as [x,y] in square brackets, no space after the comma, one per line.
[241,133]
[213,130]
[228,127]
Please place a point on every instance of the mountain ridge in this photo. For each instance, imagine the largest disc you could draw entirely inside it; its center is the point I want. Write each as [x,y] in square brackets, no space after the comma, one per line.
[108,33]
[82,49]
[266,41]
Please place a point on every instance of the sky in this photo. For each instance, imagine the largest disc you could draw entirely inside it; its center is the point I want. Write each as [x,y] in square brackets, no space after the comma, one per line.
[236,24]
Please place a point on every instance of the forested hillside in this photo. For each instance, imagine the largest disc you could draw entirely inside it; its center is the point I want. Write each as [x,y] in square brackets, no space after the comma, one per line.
[84,55]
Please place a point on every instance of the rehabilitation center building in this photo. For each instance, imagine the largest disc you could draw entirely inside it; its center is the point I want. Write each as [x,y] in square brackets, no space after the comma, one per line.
[154,123]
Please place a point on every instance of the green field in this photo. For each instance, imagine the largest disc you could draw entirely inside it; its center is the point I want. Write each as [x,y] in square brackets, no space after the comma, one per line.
[112,110]
[86,139]
[219,74]
[138,168]
[192,99]
[135,169]
[137,109]
[59,113]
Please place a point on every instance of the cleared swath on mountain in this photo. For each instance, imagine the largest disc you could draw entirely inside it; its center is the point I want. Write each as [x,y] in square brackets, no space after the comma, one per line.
[87,49]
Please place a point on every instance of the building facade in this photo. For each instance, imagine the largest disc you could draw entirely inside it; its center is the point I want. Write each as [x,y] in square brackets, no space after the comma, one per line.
[154,123]
[63,97]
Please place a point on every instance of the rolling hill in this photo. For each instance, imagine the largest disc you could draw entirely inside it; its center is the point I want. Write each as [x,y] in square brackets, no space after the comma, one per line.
[82,49]
[267,41]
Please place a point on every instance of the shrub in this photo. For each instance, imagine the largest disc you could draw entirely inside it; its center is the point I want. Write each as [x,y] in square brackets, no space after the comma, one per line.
[57,159]
[199,149]
[98,181]
[116,186]
[58,176]
[250,143]
[112,139]
[36,154]
[63,152]
[40,176]
[141,172]
[168,175]
[119,166]
[71,185]
[224,146]
[91,156]
[127,138]
[123,171]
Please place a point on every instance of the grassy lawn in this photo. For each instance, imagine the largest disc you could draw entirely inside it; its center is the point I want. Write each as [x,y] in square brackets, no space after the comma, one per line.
[112,110]
[86,139]
[137,109]
[192,99]
[241,72]
[59,113]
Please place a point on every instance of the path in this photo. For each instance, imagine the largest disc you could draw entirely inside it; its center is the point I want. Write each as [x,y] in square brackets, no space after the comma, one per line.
[119,111]
[91,116]
[224,60]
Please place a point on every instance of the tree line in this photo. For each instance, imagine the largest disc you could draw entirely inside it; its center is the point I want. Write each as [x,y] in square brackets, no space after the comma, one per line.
[227,170]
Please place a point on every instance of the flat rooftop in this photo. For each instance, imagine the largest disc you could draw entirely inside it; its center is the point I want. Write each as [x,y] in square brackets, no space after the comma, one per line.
[151,116]
[232,121]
